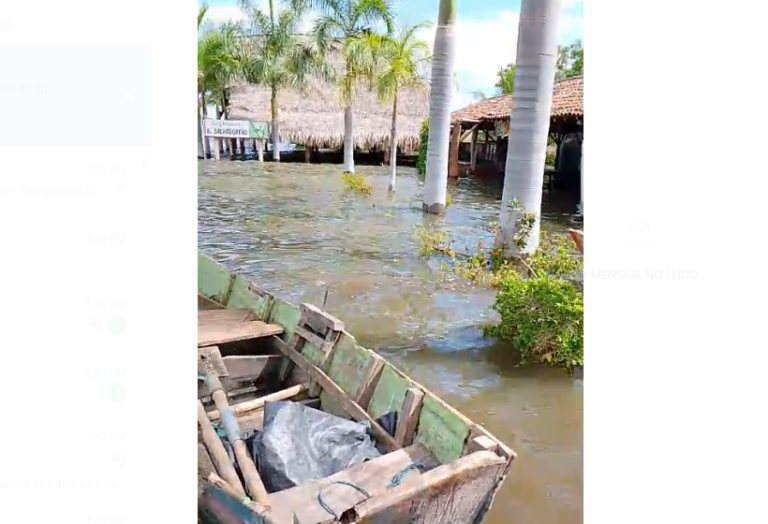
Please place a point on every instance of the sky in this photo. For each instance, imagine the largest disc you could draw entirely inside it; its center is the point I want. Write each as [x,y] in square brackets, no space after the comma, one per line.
[486,34]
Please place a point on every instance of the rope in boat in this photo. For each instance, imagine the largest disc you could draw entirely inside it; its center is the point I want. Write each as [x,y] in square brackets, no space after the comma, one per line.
[396,481]
[345,483]
[413,466]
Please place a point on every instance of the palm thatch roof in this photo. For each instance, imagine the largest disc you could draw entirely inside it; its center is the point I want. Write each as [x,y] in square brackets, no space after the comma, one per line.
[316,118]
[567,101]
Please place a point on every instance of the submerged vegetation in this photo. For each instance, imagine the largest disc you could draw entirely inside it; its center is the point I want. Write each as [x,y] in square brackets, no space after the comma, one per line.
[539,297]
[433,241]
[356,183]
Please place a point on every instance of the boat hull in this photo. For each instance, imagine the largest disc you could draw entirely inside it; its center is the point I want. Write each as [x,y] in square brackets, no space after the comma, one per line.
[348,380]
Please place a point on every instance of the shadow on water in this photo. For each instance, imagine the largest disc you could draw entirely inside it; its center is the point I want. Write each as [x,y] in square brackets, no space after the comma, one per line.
[294,230]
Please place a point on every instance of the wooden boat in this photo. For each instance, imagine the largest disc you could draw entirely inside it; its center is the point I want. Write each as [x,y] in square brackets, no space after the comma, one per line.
[437,466]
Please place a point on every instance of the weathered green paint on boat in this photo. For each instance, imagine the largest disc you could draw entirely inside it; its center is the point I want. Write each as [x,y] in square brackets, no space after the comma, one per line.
[389,393]
[442,430]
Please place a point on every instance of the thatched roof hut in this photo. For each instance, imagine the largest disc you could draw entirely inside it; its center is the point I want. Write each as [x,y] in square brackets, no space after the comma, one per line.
[316,118]
[567,102]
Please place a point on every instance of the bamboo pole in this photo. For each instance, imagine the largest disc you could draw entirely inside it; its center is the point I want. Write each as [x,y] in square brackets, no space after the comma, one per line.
[257,508]
[253,483]
[217,452]
[253,405]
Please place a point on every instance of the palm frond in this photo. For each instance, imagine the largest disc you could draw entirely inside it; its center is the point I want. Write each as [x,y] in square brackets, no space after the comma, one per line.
[201,14]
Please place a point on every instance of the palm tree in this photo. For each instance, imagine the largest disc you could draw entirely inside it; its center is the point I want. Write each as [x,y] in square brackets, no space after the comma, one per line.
[339,22]
[506,83]
[218,63]
[399,63]
[529,121]
[202,149]
[276,56]
[440,100]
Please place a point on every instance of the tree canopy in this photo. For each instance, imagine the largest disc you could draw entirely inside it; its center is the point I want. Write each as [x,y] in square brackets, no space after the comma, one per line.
[506,83]
[570,61]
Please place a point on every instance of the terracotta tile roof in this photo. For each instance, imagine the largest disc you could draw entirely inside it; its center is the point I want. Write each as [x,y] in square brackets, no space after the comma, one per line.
[567,100]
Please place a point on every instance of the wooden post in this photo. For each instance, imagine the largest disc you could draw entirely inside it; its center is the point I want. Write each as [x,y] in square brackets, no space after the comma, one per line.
[242,148]
[453,159]
[260,149]
[232,146]
[217,148]
[387,156]
[473,152]
[307,154]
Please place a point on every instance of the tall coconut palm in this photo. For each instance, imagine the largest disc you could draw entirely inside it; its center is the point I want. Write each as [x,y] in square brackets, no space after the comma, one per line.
[277,56]
[440,100]
[340,21]
[202,150]
[529,120]
[218,63]
[400,62]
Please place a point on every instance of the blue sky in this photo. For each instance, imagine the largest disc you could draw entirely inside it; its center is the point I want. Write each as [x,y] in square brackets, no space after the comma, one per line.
[486,33]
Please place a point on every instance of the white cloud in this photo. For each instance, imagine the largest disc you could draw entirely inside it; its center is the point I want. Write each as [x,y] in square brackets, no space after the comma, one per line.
[219,15]
[484,46]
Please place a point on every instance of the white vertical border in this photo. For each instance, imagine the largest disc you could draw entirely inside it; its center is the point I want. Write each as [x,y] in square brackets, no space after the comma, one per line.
[98,426]
[174,261]
[675,387]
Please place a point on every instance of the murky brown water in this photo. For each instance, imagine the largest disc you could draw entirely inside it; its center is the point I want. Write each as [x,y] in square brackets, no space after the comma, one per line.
[294,230]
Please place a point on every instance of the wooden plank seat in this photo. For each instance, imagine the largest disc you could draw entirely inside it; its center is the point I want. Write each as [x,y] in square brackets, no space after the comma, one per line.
[374,476]
[231,325]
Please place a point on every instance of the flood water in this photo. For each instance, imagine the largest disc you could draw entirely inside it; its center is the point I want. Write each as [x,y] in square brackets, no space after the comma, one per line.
[294,230]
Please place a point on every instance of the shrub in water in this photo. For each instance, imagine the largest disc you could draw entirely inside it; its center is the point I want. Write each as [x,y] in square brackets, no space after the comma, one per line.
[543,318]
[356,183]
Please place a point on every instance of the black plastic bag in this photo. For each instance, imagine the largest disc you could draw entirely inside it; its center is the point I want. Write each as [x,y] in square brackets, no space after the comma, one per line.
[300,444]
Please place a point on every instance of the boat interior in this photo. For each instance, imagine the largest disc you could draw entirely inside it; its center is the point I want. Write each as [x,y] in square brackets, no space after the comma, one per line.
[431,454]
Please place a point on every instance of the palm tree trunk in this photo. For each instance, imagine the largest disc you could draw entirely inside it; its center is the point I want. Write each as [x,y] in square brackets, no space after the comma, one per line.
[200,146]
[206,141]
[219,143]
[275,128]
[393,146]
[529,120]
[440,101]
[349,143]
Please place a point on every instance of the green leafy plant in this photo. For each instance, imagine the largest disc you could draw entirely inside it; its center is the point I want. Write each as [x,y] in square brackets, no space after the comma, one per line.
[550,161]
[555,256]
[524,224]
[421,161]
[433,241]
[543,318]
[356,183]
[541,311]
